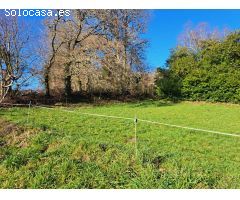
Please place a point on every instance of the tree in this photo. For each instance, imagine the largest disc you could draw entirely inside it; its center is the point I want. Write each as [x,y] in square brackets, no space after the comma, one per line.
[124,52]
[72,34]
[54,43]
[16,58]
[212,72]
[167,84]
[181,61]
[192,37]
[99,49]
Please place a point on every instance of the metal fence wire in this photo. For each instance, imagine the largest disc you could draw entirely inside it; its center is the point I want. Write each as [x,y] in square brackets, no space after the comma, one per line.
[135,120]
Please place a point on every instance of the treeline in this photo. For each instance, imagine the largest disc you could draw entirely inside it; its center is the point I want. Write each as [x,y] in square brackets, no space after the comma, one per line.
[90,52]
[204,66]
[97,52]
[101,53]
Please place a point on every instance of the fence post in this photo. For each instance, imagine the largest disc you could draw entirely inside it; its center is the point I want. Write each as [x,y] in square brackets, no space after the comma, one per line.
[29,106]
[135,123]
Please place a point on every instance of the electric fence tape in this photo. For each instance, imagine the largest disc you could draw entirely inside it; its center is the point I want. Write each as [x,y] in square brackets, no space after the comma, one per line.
[141,120]
[152,122]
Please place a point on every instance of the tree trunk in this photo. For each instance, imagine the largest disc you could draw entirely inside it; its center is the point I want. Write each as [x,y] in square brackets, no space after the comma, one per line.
[46,82]
[68,89]
[68,81]
[10,91]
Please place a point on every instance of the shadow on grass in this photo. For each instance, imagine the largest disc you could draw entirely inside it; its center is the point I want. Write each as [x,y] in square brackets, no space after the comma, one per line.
[156,103]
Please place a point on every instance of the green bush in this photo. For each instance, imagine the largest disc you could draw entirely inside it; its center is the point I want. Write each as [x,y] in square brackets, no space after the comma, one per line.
[167,84]
[211,74]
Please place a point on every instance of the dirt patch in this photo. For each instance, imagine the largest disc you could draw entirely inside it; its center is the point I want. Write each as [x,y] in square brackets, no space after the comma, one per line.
[13,134]
[130,140]
[7,128]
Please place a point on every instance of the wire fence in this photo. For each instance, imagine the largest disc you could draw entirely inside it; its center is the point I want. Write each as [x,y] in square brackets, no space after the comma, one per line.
[135,120]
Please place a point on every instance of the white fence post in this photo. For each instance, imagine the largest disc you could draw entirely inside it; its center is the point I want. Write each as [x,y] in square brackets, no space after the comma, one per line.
[135,123]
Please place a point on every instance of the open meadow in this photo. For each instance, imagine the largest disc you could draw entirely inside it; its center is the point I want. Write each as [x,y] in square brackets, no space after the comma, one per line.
[55,148]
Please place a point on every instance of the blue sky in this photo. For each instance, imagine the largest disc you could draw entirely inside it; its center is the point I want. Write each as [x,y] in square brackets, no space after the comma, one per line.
[165,26]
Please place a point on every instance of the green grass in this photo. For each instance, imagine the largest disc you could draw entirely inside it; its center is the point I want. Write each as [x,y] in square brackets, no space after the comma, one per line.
[58,149]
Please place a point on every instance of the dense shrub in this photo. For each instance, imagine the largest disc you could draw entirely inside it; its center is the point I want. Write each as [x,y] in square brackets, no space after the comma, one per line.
[168,85]
[211,74]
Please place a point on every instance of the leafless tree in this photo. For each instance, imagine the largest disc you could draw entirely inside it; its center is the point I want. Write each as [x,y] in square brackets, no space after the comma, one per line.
[71,34]
[101,49]
[16,58]
[124,52]
[54,41]
[192,37]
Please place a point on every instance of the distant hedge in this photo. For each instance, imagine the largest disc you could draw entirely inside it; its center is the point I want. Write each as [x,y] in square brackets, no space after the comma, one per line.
[211,74]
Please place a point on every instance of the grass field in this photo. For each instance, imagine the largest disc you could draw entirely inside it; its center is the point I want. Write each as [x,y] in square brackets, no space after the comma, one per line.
[56,149]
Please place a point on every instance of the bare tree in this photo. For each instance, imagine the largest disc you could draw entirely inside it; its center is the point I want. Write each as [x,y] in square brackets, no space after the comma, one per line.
[98,47]
[72,33]
[192,37]
[15,55]
[124,53]
[54,41]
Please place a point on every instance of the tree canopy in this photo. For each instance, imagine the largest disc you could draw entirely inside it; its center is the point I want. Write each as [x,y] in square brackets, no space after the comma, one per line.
[210,72]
